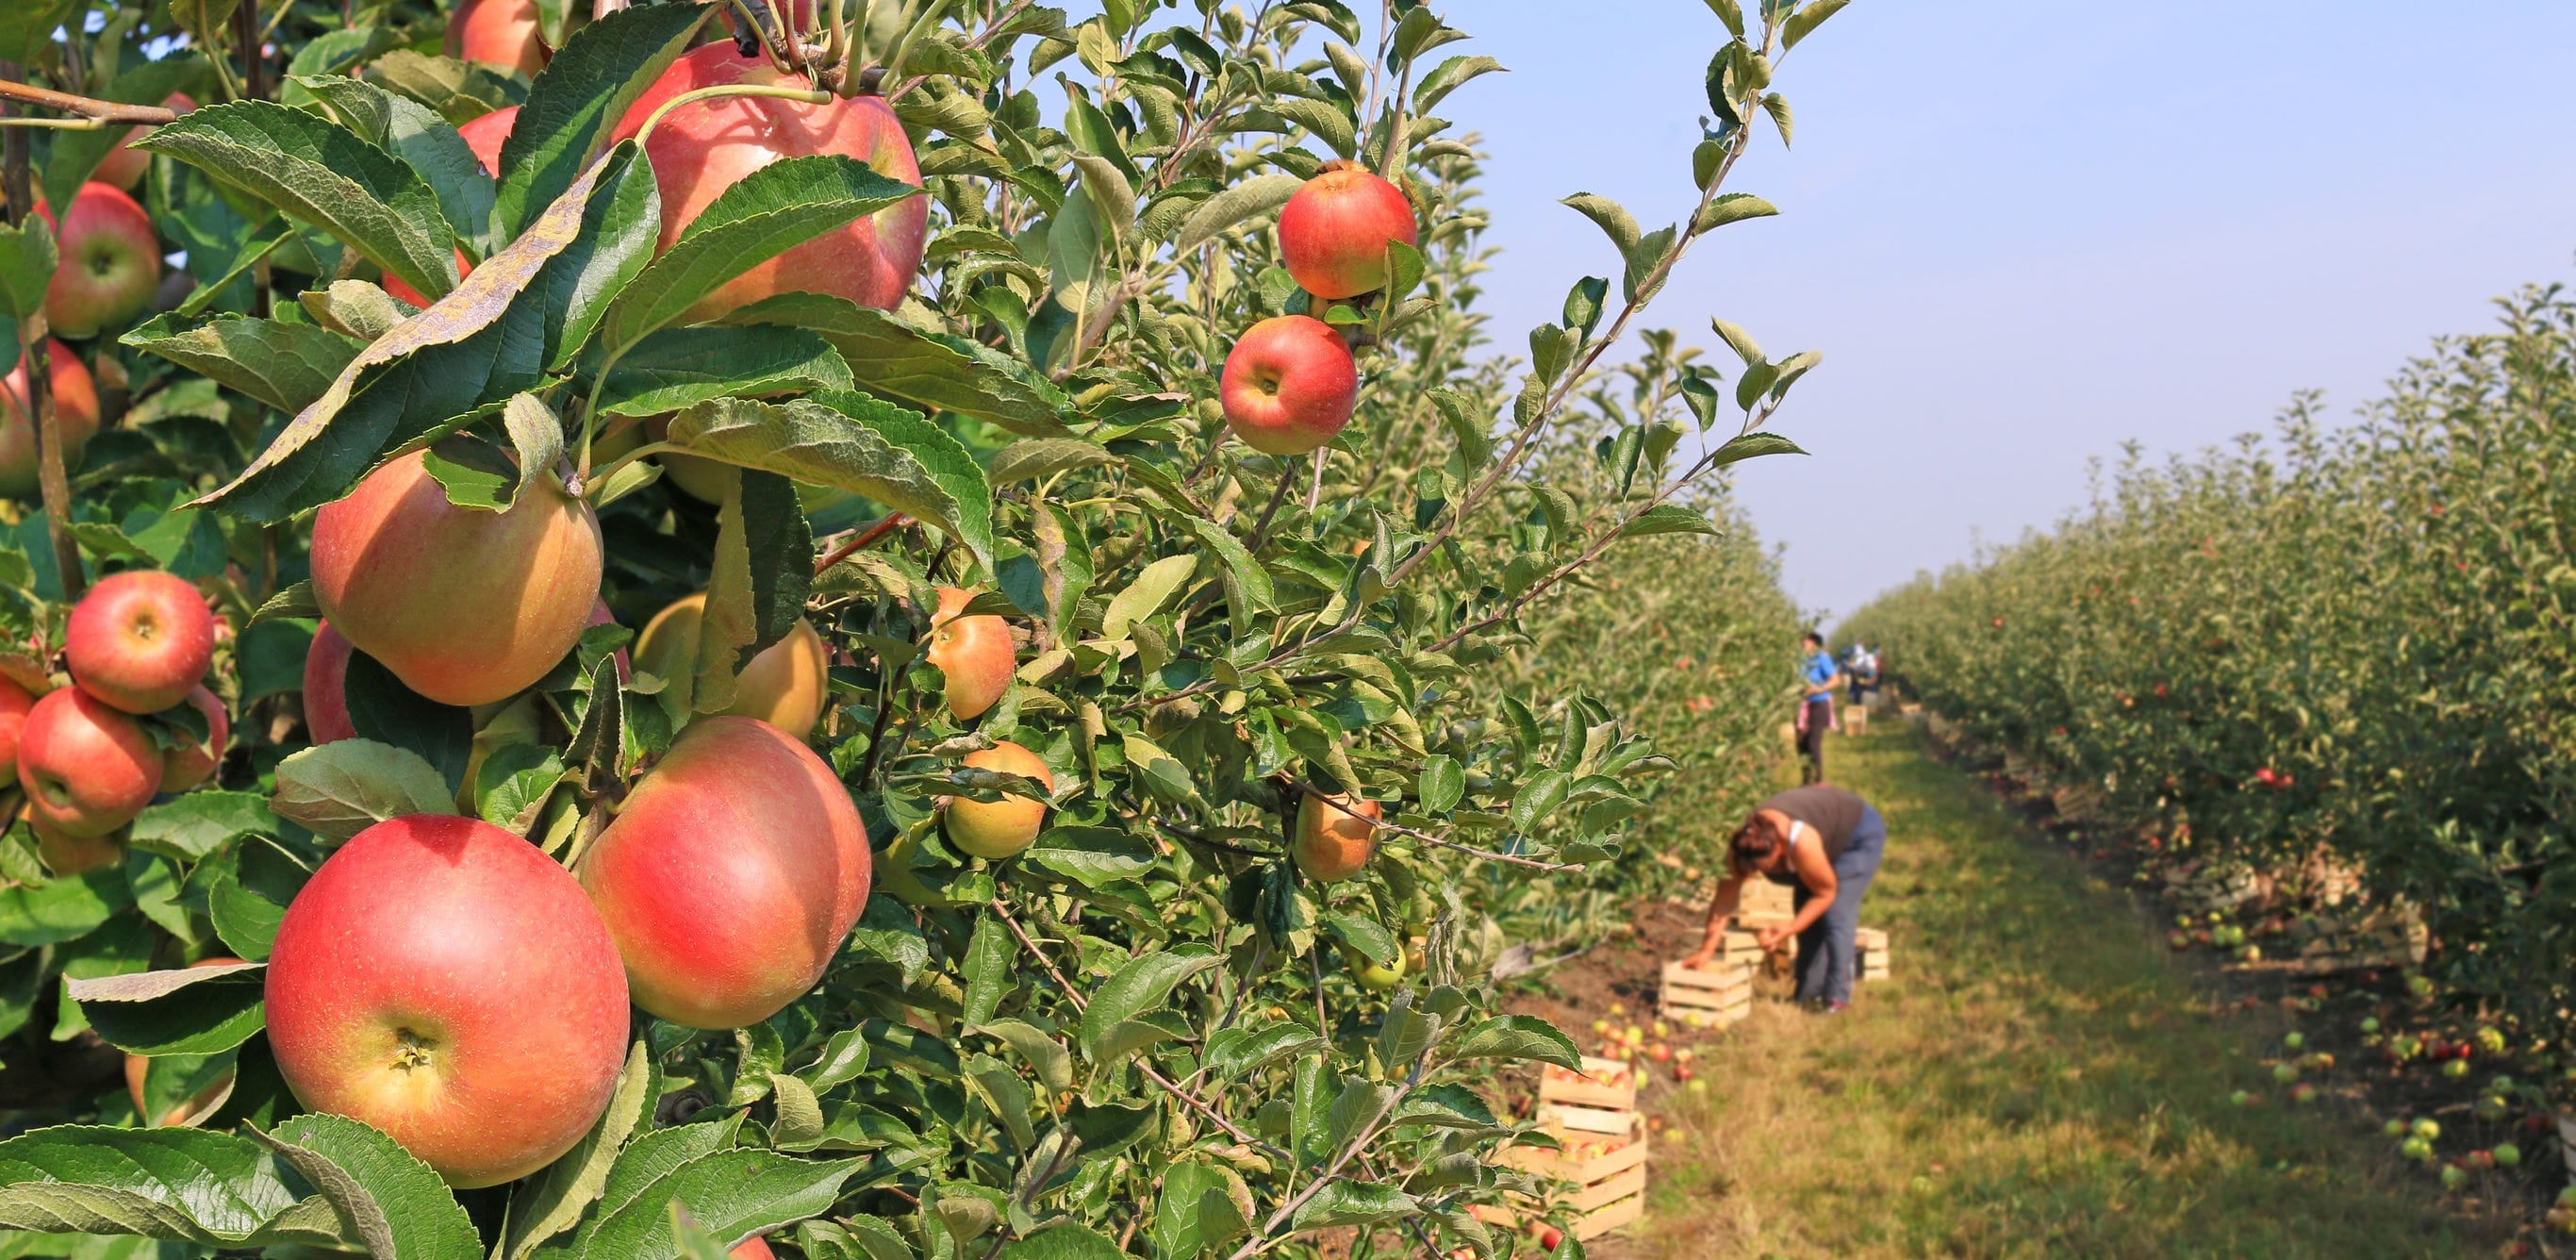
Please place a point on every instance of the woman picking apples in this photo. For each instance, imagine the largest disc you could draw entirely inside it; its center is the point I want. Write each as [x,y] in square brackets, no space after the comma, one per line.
[1825,843]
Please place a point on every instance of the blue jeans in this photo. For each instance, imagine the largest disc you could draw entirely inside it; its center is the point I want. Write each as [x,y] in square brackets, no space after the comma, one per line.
[1827,958]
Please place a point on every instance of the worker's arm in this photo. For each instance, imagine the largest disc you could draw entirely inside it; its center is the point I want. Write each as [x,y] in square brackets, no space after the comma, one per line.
[1730,893]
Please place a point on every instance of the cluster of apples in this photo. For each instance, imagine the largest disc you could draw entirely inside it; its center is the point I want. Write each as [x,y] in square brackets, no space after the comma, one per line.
[87,756]
[1289,384]
[107,272]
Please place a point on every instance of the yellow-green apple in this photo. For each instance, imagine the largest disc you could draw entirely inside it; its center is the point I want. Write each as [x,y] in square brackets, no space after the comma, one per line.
[124,165]
[1336,837]
[140,640]
[999,829]
[732,874]
[498,33]
[448,983]
[485,136]
[974,653]
[465,606]
[72,855]
[136,1065]
[1376,977]
[88,768]
[784,685]
[75,398]
[109,262]
[703,148]
[326,698]
[1289,385]
[15,700]
[186,767]
[696,476]
[1334,231]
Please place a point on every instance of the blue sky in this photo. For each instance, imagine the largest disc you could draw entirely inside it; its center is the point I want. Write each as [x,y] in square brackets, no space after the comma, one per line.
[2024,232]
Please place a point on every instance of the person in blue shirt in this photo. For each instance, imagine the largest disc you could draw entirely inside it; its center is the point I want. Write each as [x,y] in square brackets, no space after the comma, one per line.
[1817,677]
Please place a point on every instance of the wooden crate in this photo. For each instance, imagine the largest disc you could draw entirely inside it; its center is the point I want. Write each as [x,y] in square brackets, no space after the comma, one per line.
[1716,996]
[1872,943]
[1606,1173]
[1764,904]
[1855,719]
[1602,1098]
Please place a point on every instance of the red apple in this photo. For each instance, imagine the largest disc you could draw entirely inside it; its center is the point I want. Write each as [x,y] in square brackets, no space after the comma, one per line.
[465,606]
[326,699]
[1334,232]
[73,855]
[753,1248]
[784,685]
[704,148]
[446,982]
[15,701]
[1335,837]
[486,135]
[974,653]
[110,262]
[498,33]
[87,768]
[1003,828]
[184,768]
[732,875]
[124,165]
[140,640]
[1289,385]
[75,398]
[395,288]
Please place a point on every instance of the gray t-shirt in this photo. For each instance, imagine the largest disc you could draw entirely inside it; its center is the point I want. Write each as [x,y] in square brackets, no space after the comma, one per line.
[1831,812]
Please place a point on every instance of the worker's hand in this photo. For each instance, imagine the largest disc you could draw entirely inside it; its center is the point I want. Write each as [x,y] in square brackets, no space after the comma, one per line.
[1771,938]
[1700,960]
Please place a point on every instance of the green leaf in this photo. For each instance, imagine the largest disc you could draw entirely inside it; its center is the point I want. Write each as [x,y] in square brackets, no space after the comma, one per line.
[621,225]
[61,910]
[27,258]
[552,1200]
[323,175]
[1804,22]
[195,1010]
[1032,459]
[415,133]
[1232,1052]
[1752,446]
[1777,106]
[764,214]
[850,441]
[1046,1056]
[1729,12]
[437,365]
[1738,340]
[1363,935]
[585,89]
[1147,594]
[990,971]
[735,1193]
[1113,195]
[893,359]
[179,1185]
[341,788]
[1519,1037]
[1247,585]
[1448,77]
[192,826]
[1068,1241]
[1441,786]
[1612,218]
[1354,1203]
[1241,200]
[681,367]
[27,26]
[764,568]
[1137,988]
[1092,856]
[1731,208]
[389,1202]
[284,365]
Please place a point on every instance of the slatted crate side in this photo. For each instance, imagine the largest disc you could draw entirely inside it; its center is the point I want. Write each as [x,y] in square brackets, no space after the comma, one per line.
[1720,994]
[1607,1172]
[1603,1084]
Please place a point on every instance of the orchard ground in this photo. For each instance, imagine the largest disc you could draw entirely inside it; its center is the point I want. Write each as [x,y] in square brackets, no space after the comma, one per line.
[2041,1077]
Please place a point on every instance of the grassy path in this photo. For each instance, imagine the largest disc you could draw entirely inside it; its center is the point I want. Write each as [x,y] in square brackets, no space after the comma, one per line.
[2041,1079]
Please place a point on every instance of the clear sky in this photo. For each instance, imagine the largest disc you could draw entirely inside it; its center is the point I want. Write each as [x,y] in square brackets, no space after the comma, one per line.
[2025,231]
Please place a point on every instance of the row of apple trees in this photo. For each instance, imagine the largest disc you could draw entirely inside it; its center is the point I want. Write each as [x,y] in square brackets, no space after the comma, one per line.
[1141,1036]
[2344,641]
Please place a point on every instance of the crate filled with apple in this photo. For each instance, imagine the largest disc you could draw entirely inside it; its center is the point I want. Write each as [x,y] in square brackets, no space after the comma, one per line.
[1603,1178]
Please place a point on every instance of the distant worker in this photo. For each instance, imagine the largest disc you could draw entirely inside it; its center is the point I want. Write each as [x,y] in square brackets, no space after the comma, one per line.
[1817,677]
[1825,843]
[1860,665]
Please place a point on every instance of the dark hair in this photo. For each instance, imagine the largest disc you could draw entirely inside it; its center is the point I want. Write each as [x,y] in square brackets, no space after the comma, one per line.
[1815,638]
[1755,841]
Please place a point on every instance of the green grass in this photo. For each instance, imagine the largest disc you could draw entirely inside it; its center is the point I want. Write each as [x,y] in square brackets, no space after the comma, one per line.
[2040,1079]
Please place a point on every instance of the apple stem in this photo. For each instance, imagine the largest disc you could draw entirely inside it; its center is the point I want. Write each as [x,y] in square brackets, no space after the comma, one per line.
[810,96]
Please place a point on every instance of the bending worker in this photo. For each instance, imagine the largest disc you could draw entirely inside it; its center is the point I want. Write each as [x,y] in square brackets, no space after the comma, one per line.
[1825,844]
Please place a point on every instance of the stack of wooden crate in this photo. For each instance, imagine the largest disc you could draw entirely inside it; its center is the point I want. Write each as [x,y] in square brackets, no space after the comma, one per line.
[1762,903]
[1593,1115]
[1873,952]
[1710,997]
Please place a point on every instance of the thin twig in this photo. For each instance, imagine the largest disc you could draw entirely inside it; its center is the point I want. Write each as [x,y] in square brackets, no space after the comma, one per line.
[85,106]
[891,522]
